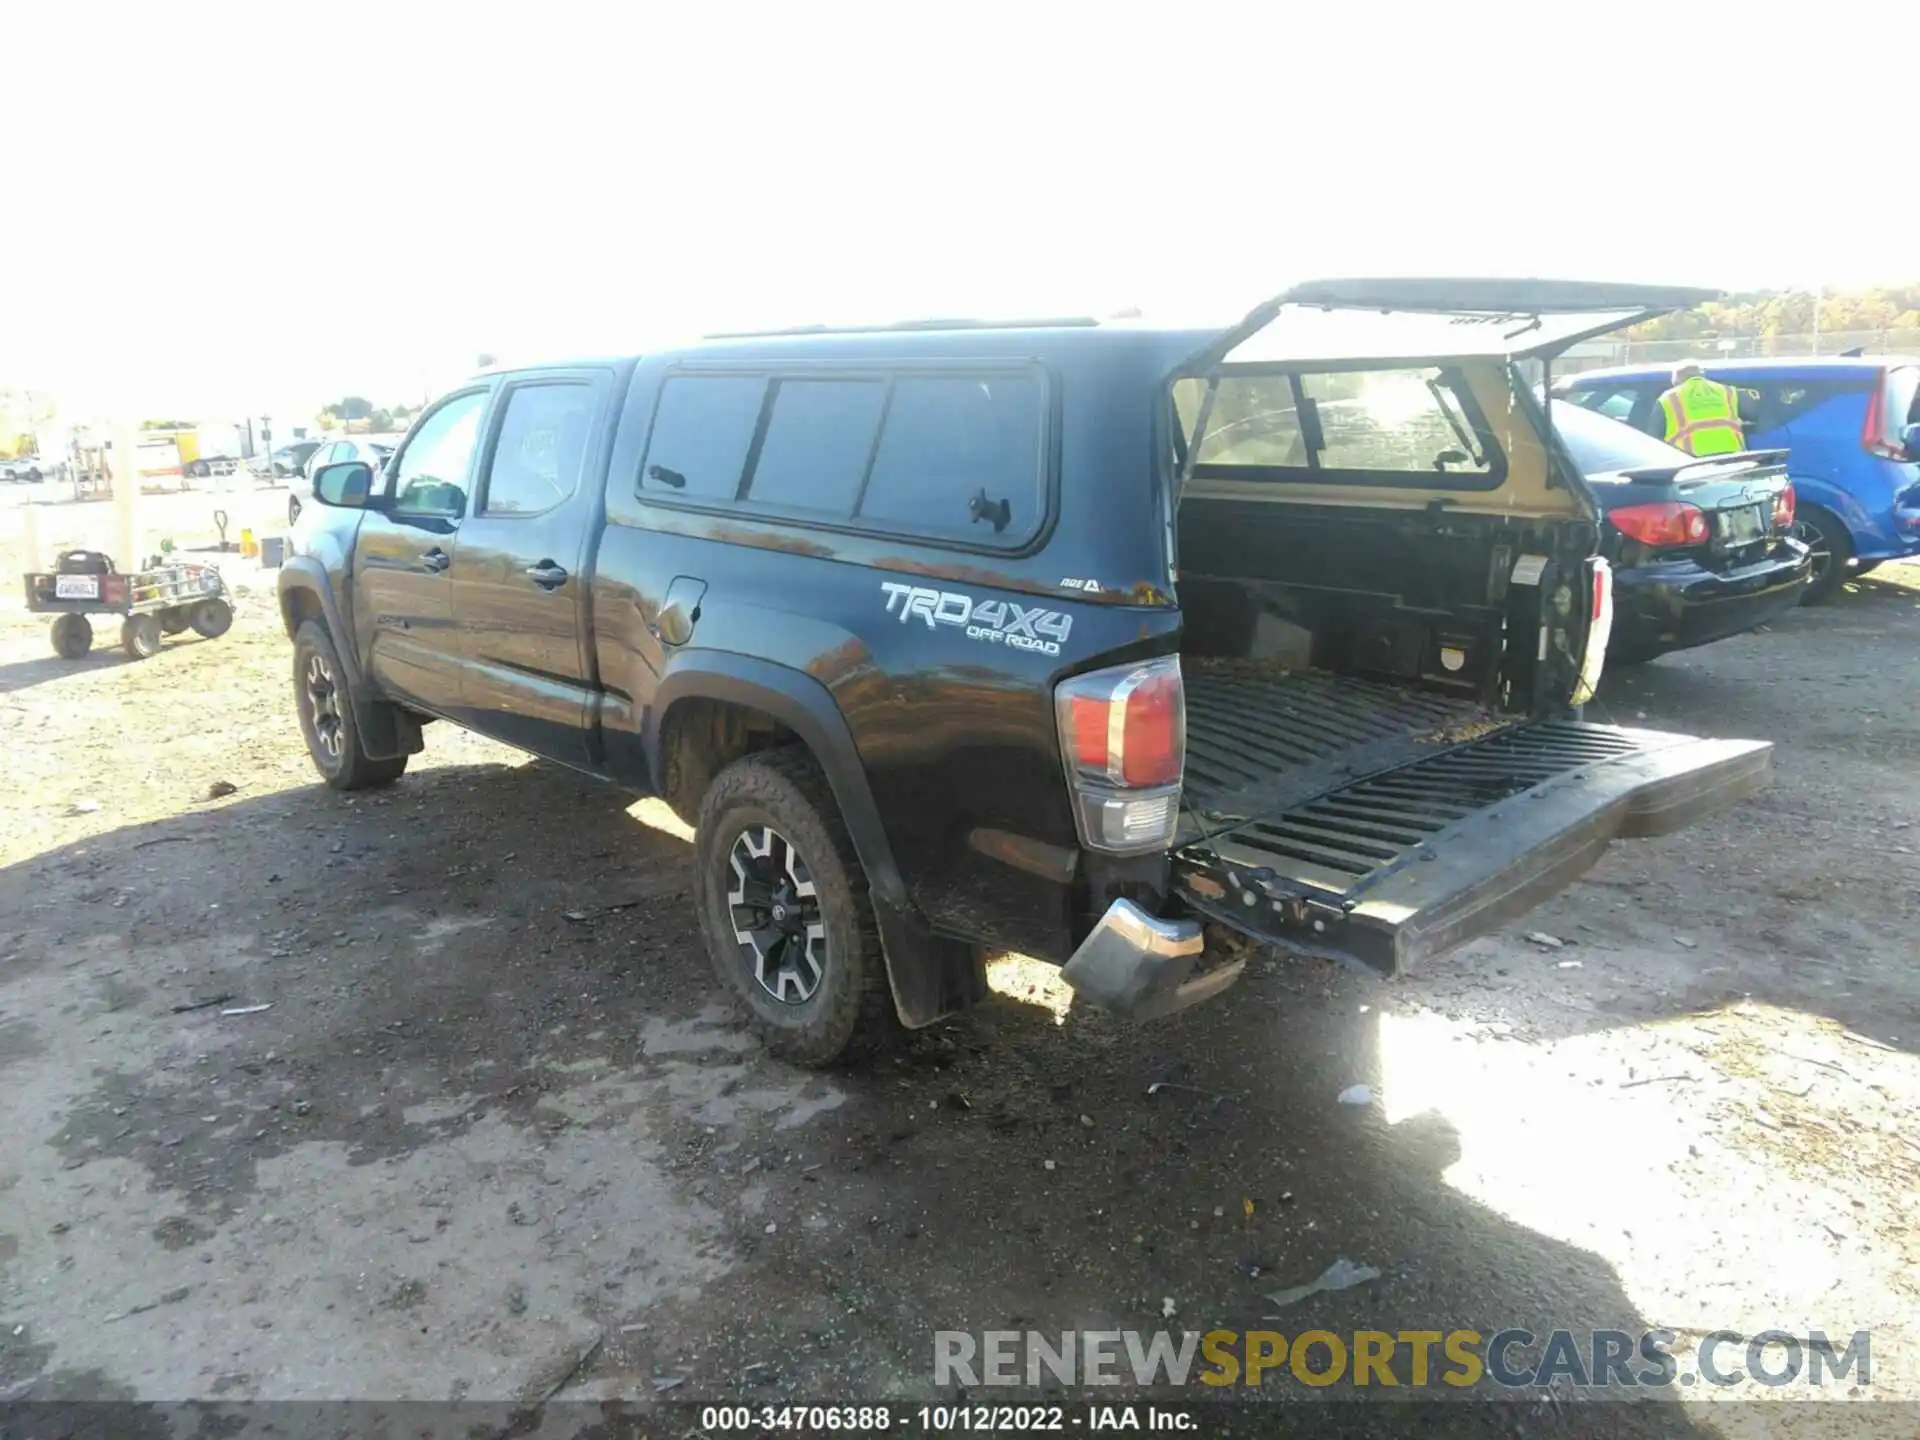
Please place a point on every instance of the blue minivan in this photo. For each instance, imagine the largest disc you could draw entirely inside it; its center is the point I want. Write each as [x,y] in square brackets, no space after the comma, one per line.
[1851,425]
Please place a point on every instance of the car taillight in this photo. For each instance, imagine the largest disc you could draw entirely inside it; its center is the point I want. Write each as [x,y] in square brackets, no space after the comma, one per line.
[1783,504]
[1873,438]
[1123,736]
[113,589]
[1663,522]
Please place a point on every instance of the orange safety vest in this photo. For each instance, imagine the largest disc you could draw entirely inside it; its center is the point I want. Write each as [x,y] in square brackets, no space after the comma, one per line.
[1703,417]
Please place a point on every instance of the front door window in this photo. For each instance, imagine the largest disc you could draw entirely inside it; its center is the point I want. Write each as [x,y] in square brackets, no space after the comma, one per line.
[431,476]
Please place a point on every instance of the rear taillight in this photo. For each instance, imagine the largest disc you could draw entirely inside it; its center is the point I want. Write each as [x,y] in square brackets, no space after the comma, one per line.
[1663,522]
[1593,658]
[1873,437]
[1123,736]
[1783,504]
[113,589]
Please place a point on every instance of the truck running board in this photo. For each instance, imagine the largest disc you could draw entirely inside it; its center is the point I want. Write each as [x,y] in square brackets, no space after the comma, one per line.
[1409,862]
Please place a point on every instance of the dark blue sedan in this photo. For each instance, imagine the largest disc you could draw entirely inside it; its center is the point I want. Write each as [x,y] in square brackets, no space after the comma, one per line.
[1701,548]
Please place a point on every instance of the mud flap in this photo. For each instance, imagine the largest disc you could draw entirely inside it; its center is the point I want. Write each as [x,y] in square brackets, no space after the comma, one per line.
[1406,864]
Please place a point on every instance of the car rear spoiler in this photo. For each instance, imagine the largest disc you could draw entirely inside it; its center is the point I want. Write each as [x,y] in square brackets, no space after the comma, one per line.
[1732,464]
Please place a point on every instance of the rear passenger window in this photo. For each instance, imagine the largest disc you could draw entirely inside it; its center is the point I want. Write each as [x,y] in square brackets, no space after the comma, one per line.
[702,432]
[819,439]
[1786,401]
[950,439]
[536,460]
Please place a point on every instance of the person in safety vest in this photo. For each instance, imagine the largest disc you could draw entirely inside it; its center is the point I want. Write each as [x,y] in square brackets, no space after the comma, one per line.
[1702,415]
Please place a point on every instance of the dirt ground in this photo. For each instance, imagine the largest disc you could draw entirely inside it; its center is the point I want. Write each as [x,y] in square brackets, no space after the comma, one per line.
[497,1134]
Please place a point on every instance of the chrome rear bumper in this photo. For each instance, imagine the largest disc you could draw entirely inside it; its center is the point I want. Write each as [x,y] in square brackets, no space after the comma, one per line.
[1141,967]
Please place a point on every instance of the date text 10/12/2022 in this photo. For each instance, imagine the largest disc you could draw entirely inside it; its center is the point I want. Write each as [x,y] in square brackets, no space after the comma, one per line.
[944,1419]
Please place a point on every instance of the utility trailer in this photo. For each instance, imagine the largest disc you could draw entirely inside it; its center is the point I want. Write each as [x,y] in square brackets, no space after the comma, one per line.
[167,599]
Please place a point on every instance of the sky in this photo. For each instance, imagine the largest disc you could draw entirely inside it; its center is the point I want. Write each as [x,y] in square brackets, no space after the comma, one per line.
[245,208]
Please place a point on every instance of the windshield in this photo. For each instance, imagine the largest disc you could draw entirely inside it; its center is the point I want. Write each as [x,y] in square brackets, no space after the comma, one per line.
[1599,445]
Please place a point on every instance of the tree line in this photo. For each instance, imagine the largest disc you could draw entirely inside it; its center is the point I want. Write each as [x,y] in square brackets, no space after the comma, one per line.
[1769,313]
[357,413]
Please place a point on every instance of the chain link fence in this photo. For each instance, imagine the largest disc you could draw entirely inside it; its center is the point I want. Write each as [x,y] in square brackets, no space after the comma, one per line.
[1593,354]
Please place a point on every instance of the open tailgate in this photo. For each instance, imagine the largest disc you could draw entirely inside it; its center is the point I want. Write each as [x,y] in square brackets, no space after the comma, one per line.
[1409,862]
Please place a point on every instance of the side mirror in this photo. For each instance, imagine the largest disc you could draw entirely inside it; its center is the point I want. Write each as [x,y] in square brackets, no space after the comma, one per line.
[347,484]
[1910,441]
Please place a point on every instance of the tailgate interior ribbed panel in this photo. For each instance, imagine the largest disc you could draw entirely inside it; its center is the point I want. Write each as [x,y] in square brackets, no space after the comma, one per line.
[1261,740]
[1348,834]
[1362,821]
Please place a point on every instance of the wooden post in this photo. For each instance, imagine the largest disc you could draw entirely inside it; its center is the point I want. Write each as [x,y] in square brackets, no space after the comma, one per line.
[126,496]
[30,536]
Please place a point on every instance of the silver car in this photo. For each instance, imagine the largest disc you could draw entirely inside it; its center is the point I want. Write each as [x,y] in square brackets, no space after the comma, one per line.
[373,449]
[31,470]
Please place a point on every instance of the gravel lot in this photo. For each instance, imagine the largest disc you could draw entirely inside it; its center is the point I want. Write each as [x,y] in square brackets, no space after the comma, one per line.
[498,1133]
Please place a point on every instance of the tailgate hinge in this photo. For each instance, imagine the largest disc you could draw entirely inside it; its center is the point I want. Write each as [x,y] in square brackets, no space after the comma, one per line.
[1255,899]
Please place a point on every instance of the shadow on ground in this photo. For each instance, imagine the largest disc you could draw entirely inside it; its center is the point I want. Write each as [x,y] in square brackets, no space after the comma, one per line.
[1003,1171]
[106,654]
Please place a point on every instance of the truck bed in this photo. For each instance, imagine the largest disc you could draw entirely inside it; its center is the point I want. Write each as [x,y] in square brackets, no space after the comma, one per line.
[1262,740]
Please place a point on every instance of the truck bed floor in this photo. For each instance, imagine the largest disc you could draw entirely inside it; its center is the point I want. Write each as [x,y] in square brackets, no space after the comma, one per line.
[1261,740]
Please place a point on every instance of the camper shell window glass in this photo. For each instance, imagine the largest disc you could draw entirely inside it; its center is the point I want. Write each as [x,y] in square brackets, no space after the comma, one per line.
[1417,426]
[956,455]
[819,437]
[702,432]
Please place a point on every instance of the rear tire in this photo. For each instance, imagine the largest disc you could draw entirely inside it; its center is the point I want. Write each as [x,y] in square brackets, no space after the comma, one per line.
[784,911]
[211,619]
[1832,548]
[72,636]
[140,636]
[173,621]
[327,720]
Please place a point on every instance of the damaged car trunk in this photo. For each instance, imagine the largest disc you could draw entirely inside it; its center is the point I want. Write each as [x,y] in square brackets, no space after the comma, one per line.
[1393,606]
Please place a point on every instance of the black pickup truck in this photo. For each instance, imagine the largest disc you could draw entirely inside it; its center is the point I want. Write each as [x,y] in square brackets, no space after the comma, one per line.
[1116,645]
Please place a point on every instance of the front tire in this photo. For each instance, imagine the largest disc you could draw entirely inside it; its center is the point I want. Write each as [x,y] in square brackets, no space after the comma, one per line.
[784,911]
[326,716]
[1832,549]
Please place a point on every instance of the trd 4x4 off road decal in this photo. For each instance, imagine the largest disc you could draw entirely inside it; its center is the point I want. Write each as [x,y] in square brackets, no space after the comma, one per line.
[1000,622]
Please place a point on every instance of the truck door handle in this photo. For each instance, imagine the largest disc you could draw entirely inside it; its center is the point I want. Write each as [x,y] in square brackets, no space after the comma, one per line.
[435,559]
[547,575]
